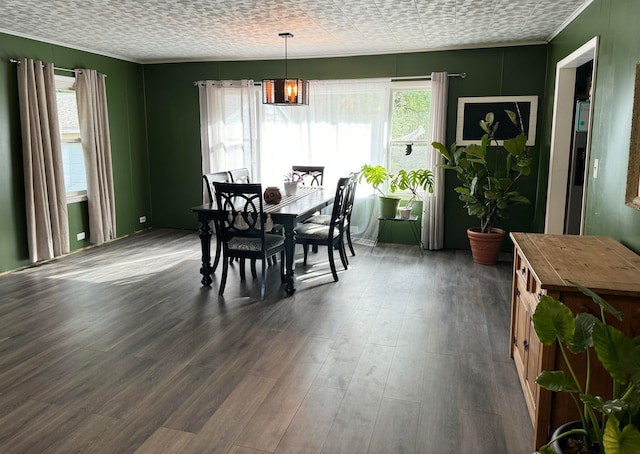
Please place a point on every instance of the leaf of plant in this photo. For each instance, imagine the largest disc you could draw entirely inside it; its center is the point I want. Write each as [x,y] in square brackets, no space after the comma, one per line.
[613,349]
[553,320]
[598,299]
[556,380]
[489,117]
[583,336]
[512,116]
[616,441]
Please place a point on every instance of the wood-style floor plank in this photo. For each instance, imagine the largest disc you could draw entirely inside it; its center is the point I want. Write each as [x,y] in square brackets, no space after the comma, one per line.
[119,349]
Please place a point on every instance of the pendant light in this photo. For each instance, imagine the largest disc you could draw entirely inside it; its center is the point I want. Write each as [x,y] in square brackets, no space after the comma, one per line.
[285,92]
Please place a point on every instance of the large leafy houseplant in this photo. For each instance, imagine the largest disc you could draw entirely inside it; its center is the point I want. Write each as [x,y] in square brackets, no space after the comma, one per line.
[607,426]
[489,173]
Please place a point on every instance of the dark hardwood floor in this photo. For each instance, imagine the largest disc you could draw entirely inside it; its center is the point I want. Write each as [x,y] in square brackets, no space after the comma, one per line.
[118,349]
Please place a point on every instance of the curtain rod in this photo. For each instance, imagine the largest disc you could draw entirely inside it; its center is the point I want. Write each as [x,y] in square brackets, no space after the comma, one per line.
[460,75]
[13,60]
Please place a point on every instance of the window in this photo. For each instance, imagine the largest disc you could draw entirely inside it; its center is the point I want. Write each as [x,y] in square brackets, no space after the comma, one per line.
[75,178]
[409,137]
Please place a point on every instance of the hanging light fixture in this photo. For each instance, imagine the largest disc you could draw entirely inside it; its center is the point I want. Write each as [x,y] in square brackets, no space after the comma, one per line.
[285,92]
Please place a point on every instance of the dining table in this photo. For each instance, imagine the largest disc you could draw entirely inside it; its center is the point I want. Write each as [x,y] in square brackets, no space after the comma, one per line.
[288,212]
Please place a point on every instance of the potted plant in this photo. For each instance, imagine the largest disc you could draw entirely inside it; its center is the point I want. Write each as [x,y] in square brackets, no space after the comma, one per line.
[291,181]
[488,182]
[376,176]
[412,180]
[605,426]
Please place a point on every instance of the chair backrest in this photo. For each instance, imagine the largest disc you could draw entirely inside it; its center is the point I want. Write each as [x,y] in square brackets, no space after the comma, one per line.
[244,215]
[311,175]
[339,204]
[215,177]
[351,196]
[240,175]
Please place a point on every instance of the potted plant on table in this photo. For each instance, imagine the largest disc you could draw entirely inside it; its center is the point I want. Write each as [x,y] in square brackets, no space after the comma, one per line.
[376,176]
[605,426]
[291,181]
[488,182]
[413,180]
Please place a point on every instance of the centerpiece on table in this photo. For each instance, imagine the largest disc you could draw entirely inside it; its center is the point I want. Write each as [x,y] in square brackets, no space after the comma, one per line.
[291,181]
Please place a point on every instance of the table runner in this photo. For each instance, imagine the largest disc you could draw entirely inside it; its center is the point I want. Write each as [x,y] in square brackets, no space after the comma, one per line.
[287,199]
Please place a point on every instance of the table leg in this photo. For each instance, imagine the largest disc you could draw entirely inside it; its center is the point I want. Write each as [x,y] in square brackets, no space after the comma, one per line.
[289,251]
[416,234]
[205,242]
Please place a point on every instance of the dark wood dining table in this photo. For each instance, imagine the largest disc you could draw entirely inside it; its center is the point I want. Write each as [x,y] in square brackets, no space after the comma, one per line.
[290,211]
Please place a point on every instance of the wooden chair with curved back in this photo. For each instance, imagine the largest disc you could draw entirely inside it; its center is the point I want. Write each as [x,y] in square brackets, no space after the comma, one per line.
[243,228]
[209,180]
[325,219]
[330,235]
[310,175]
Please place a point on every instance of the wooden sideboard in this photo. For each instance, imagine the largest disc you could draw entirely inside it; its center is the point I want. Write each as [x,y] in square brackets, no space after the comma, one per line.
[541,265]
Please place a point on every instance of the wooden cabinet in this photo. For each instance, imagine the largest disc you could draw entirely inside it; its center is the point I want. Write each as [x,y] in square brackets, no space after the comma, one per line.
[541,266]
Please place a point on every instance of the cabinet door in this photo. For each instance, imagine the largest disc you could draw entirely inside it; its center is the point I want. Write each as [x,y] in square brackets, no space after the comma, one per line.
[533,348]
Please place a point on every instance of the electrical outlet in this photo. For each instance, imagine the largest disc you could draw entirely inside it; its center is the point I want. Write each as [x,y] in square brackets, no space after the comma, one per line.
[143,219]
[596,167]
[80,236]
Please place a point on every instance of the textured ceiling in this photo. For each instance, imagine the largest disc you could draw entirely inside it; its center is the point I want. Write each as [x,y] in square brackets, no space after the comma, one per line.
[148,31]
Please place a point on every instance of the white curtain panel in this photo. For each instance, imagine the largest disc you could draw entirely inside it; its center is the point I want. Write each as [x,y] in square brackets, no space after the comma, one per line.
[228,127]
[344,126]
[91,95]
[45,196]
[433,215]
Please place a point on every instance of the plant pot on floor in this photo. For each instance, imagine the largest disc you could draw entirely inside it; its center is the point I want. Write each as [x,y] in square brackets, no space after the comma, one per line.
[388,206]
[570,444]
[486,247]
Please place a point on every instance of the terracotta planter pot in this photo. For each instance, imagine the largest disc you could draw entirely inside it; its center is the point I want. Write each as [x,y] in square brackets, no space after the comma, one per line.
[485,247]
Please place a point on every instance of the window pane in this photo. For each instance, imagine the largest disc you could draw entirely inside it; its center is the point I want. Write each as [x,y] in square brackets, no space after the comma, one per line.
[410,115]
[399,160]
[75,178]
[72,158]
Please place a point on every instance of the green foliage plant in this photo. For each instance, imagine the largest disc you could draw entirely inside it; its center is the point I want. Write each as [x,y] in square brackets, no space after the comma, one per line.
[413,180]
[376,176]
[489,173]
[611,426]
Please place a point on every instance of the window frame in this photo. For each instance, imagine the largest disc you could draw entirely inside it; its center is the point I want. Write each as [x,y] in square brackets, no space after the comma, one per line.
[68,83]
[400,86]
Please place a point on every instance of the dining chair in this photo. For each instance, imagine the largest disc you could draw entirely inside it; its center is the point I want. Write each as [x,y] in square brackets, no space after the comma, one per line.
[209,180]
[244,226]
[240,175]
[310,175]
[330,235]
[325,219]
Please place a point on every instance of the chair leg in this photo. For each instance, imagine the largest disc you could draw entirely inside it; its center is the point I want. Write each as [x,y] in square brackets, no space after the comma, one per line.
[216,260]
[263,285]
[331,264]
[242,273]
[223,281]
[343,255]
[314,248]
[349,242]
[274,259]
[305,248]
[254,274]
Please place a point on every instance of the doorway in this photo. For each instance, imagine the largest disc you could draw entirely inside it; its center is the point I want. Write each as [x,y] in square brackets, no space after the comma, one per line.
[570,141]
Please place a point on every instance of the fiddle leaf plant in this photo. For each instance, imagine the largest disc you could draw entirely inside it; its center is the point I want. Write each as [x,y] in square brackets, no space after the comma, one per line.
[489,173]
[608,426]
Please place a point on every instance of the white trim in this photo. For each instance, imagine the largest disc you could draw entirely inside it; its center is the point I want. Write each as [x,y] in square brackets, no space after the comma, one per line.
[562,125]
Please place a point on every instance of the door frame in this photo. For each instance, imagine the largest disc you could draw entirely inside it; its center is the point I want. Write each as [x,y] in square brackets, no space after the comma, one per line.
[561,129]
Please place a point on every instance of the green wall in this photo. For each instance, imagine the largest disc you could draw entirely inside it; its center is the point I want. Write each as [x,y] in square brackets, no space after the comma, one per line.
[615,23]
[125,96]
[174,131]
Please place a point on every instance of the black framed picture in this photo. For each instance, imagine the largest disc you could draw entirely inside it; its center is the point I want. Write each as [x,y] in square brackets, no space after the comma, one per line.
[472,110]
